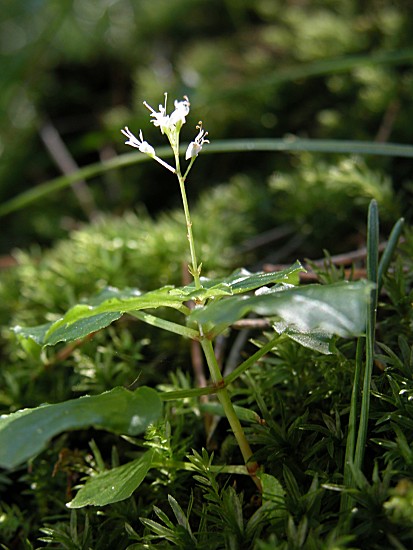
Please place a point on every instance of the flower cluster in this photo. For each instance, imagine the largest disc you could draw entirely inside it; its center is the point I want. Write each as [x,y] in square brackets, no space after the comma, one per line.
[170,125]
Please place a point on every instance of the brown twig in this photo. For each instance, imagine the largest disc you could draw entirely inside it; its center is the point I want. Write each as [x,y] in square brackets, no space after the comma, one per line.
[66,163]
[346,259]
[67,350]
[387,123]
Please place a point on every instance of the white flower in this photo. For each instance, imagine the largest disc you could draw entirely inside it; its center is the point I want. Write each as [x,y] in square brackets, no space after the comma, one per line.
[178,117]
[160,119]
[140,143]
[195,146]
[173,122]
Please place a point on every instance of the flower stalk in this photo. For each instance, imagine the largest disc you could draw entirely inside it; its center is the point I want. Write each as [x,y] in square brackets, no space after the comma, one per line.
[170,125]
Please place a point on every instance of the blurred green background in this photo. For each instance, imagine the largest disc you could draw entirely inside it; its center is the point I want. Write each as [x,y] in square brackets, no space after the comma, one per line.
[73,72]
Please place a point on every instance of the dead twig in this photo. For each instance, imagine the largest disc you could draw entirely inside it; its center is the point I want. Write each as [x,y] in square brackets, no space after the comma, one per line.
[66,163]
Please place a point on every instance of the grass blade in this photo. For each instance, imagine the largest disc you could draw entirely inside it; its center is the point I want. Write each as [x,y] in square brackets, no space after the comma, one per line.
[372,273]
[389,250]
[228,146]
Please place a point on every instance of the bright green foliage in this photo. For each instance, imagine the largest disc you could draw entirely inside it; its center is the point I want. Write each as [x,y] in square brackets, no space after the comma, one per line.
[216,304]
[113,485]
[322,198]
[222,523]
[131,251]
[332,309]
[339,309]
[310,314]
[111,303]
[329,72]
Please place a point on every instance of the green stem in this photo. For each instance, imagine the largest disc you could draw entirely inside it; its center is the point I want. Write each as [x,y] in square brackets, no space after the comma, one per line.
[189,167]
[165,325]
[228,407]
[250,361]
[183,394]
[348,481]
[181,465]
[217,379]
[194,269]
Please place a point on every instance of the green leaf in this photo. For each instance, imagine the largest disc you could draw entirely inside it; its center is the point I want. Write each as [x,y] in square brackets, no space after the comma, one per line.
[202,294]
[110,304]
[52,333]
[215,408]
[99,312]
[316,340]
[241,280]
[113,485]
[272,490]
[36,334]
[338,309]
[25,433]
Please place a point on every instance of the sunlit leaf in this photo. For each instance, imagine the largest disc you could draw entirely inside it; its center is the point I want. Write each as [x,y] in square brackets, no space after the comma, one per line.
[46,335]
[113,485]
[333,309]
[241,280]
[316,340]
[110,304]
[98,313]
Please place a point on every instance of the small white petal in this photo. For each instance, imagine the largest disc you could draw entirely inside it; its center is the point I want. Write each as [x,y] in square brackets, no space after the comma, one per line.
[193,150]
[195,146]
[140,143]
[180,113]
[147,149]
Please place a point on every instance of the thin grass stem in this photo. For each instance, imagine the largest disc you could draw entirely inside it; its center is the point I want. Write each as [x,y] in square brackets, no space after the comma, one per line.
[236,373]
[372,273]
[348,481]
[389,251]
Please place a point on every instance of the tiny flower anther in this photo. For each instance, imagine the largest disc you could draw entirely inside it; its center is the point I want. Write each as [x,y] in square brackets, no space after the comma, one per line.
[160,119]
[195,146]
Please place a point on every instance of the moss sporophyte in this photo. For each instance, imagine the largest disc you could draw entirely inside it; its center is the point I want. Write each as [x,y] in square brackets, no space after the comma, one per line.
[170,125]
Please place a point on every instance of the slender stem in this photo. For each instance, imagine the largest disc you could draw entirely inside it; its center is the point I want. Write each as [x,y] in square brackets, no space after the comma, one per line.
[175,148]
[166,325]
[165,164]
[181,465]
[195,270]
[183,394]
[228,407]
[250,361]
[348,481]
[189,167]
[219,383]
